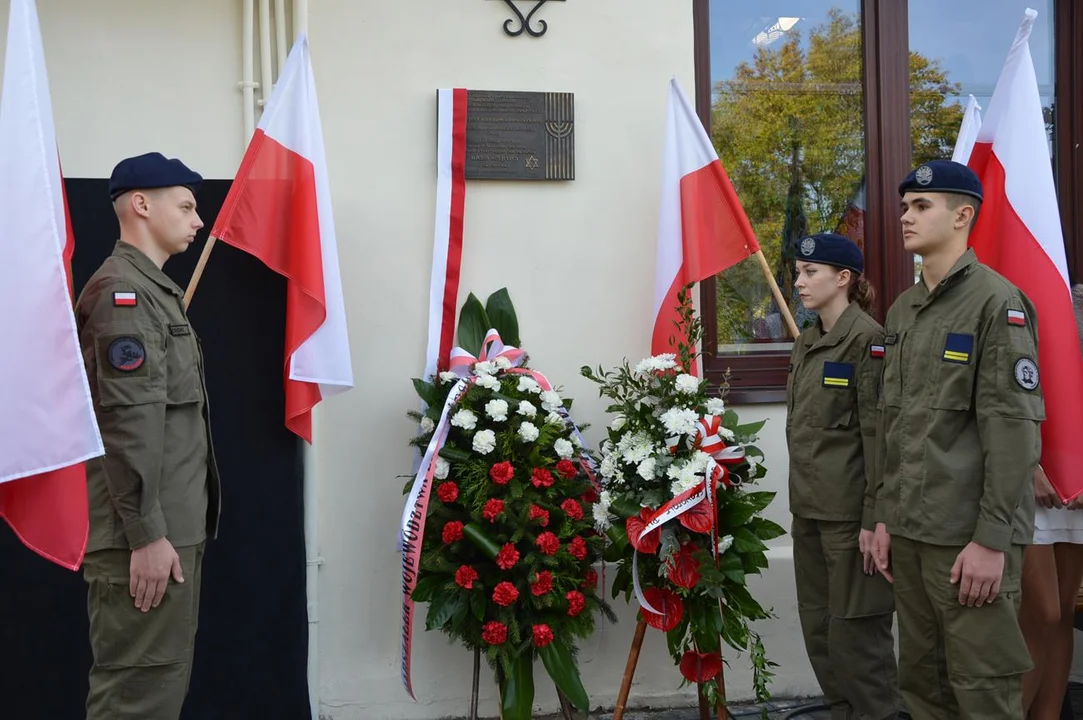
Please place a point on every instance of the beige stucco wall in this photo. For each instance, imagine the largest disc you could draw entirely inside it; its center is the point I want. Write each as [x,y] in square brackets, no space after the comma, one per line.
[129,76]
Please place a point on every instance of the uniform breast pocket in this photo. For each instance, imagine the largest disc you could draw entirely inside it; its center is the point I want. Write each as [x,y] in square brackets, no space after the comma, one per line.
[183,385]
[955,367]
[890,390]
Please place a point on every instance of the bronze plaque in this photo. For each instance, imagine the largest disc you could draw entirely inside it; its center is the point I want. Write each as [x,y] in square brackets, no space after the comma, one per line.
[520,135]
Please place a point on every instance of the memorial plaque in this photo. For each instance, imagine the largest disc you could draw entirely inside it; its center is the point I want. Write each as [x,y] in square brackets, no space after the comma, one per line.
[520,135]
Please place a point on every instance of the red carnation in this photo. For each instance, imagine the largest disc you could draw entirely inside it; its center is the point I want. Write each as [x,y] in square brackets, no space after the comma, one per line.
[465,577]
[492,510]
[494,633]
[537,513]
[448,492]
[567,469]
[505,594]
[577,548]
[501,473]
[576,602]
[590,580]
[543,583]
[572,509]
[543,635]
[453,532]
[541,478]
[547,542]
[507,557]
[700,667]
[590,496]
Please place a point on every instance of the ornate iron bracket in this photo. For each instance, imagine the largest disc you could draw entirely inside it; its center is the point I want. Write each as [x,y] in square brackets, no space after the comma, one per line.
[524,20]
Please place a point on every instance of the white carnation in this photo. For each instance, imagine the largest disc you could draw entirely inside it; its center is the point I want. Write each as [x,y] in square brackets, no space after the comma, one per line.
[609,467]
[484,367]
[527,409]
[497,410]
[724,544]
[600,510]
[554,418]
[427,425]
[564,448]
[715,406]
[485,442]
[550,400]
[646,469]
[618,422]
[502,363]
[687,384]
[489,382]
[464,419]
[665,361]
[442,469]
[679,421]
[529,384]
[528,432]
[448,377]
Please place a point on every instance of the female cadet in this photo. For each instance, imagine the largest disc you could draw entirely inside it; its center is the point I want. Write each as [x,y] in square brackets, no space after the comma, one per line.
[844,605]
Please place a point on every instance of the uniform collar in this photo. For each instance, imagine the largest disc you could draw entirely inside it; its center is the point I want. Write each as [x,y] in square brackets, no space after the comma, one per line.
[838,332]
[146,266]
[958,271]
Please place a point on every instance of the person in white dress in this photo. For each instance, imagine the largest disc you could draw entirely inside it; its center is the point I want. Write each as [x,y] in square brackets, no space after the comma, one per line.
[1052,574]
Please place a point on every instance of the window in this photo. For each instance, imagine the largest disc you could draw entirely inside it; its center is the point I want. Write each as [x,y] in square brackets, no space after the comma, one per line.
[818,108]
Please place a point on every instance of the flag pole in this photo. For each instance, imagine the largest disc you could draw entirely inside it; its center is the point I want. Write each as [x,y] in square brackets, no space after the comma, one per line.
[783,306]
[211,240]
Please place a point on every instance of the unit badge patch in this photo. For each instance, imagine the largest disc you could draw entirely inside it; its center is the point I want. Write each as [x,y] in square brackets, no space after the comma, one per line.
[127,354]
[1026,373]
[838,374]
[957,348]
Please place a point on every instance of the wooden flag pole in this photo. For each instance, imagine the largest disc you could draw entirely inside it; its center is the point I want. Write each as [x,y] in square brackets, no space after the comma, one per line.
[211,240]
[783,306]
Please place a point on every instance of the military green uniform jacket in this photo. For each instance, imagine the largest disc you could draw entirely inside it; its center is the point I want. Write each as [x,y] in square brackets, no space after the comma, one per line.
[158,477]
[831,419]
[959,437]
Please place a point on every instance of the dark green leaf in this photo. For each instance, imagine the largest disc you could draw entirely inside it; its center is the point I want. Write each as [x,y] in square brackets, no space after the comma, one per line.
[473,324]
[624,506]
[501,314]
[744,541]
[622,580]
[477,536]
[425,588]
[477,605]
[750,429]
[765,529]
[441,612]
[517,702]
[561,667]
[426,391]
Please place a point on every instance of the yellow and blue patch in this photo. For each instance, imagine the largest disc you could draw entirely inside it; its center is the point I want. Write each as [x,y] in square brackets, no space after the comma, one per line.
[958,348]
[838,374]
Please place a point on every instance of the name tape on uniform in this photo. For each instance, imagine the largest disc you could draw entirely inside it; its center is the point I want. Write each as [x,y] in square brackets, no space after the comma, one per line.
[124,299]
[957,348]
[838,374]
[1017,317]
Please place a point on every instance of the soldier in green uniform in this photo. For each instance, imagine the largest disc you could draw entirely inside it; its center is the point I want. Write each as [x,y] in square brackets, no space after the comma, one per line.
[154,496]
[845,606]
[957,448]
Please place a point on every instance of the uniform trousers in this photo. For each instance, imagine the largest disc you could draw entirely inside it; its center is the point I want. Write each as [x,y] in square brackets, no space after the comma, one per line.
[142,661]
[957,661]
[846,619]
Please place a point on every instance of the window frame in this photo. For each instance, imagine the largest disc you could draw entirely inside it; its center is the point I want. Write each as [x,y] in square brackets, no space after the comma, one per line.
[761,378]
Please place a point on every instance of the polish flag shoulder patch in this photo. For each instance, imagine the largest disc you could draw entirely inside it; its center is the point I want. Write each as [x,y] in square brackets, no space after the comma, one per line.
[124,299]
[1017,317]
[876,351]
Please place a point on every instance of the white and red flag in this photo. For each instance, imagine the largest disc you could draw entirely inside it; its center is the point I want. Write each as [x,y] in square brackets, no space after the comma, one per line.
[968,131]
[1018,234]
[279,210]
[702,228]
[47,424]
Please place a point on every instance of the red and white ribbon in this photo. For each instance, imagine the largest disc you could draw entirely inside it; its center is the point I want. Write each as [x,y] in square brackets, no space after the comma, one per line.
[492,348]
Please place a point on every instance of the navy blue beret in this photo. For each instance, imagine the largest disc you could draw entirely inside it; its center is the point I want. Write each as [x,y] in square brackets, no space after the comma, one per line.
[152,170]
[945,176]
[831,249]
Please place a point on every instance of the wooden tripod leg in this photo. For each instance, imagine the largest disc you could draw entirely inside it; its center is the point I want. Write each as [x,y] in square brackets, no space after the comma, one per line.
[474,691]
[566,710]
[704,708]
[630,669]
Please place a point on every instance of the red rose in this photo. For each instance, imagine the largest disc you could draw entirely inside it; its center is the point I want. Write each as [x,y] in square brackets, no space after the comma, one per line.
[567,469]
[577,548]
[547,542]
[537,513]
[492,510]
[494,633]
[543,635]
[572,509]
[590,496]
[453,532]
[669,605]
[465,577]
[541,478]
[448,492]
[590,580]
[543,583]
[507,557]
[682,569]
[501,473]
[701,667]
[505,594]
[647,544]
[576,602]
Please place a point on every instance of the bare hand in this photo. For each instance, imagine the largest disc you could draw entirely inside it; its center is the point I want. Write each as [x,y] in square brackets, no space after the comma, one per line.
[864,544]
[980,570]
[150,569]
[1076,503]
[881,551]
[1044,494]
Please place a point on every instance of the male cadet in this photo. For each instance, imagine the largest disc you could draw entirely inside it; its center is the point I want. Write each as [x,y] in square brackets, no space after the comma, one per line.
[154,496]
[957,449]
